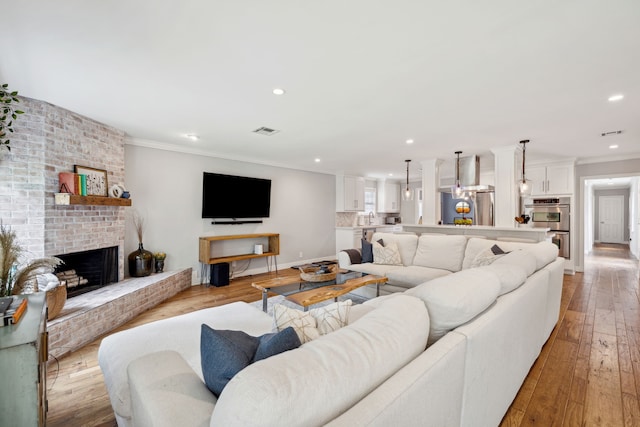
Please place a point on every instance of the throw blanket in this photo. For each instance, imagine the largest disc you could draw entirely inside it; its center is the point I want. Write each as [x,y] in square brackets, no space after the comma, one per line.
[354,256]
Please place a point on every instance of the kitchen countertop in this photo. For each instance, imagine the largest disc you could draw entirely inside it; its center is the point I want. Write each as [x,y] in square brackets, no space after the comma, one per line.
[537,234]
[360,227]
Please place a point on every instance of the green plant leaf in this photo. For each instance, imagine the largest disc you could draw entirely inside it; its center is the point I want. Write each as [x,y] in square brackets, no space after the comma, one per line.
[19,112]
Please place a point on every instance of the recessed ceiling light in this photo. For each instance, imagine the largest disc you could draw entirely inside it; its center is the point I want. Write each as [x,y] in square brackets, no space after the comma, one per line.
[617,97]
[192,136]
[390,174]
[278,91]
[613,146]
[317,160]
[409,141]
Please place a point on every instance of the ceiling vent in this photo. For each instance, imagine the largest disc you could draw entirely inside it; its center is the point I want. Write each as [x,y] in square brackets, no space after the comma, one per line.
[266,131]
[613,132]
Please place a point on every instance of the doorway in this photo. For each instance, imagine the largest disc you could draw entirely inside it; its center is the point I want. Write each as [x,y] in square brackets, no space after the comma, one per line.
[610,219]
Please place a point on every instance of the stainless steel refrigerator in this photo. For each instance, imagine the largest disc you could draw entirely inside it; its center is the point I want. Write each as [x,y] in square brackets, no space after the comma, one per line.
[476,210]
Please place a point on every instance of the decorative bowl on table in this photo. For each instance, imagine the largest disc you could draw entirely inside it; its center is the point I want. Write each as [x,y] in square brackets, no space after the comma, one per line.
[319,274]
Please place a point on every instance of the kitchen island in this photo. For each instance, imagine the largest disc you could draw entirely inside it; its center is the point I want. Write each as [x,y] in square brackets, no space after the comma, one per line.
[512,233]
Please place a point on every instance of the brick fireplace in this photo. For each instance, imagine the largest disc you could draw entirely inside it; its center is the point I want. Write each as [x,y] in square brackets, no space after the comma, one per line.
[48,140]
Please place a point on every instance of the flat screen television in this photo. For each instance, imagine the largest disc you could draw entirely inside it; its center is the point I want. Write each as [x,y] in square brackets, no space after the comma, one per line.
[229,196]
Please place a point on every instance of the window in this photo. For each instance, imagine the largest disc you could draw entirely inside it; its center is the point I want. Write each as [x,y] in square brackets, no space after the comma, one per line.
[370,199]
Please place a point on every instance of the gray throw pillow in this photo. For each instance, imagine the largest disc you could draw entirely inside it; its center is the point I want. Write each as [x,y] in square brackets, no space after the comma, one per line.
[224,353]
[367,250]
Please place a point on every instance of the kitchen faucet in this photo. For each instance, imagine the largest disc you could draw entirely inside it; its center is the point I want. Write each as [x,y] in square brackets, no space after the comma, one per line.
[371,216]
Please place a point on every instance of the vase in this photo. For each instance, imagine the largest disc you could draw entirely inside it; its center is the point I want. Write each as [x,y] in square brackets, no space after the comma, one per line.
[159,265]
[140,262]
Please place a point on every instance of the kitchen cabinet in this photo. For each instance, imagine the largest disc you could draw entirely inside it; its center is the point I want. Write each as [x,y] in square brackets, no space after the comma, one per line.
[388,195]
[23,362]
[350,237]
[349,193]
[551,180]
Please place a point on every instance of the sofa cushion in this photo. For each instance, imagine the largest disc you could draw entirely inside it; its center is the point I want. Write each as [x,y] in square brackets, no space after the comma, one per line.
[387,255]
[446,252]
[457,298]
[224,353]
[414,275]
[165,391]
[510,276]
[407,244]
[520,257]
[309,325]
[542,252]
[375,269]
[318,381]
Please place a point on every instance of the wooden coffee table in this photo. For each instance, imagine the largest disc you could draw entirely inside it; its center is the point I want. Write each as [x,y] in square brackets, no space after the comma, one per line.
[308,293]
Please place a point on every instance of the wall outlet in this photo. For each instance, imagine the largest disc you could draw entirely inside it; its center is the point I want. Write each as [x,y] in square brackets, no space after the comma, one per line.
[300,255]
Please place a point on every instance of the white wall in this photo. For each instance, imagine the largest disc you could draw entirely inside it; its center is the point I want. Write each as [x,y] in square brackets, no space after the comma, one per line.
[166,189]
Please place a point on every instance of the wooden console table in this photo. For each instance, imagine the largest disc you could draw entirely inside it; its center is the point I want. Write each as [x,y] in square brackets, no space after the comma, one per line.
[208,253]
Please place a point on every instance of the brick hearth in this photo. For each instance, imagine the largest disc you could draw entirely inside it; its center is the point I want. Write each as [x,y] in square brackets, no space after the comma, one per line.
[88,316]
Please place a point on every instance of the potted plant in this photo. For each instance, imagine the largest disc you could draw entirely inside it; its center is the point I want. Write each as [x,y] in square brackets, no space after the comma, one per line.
[14,272]
[7,115]
[159,257]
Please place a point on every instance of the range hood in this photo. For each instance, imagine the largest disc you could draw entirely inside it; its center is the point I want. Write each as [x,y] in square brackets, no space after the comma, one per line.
[470,177]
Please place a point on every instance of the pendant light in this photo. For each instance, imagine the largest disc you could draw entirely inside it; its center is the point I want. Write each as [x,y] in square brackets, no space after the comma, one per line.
[524,185]
[407,194]
[456,191]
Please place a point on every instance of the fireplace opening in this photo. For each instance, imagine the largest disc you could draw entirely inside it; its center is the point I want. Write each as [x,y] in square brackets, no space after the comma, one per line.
[88,270]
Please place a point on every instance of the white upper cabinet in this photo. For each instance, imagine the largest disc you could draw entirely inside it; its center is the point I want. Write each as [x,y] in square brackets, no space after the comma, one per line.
[553,179]
[349,193]
[388,194]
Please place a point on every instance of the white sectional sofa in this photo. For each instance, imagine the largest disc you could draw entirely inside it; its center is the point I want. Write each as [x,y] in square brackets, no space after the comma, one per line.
[450,351]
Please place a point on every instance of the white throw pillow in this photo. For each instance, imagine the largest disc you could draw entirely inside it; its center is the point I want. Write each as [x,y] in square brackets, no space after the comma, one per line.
[387,255]
[309,325]
[485,257]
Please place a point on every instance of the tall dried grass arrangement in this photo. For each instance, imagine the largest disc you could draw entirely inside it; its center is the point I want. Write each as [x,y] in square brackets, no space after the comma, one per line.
[138,224]
[10,253]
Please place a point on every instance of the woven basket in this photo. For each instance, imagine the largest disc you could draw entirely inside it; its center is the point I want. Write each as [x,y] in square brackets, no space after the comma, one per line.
[56,298]
[310,274]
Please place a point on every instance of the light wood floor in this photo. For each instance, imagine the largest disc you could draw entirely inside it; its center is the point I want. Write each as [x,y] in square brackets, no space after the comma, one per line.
[587,374]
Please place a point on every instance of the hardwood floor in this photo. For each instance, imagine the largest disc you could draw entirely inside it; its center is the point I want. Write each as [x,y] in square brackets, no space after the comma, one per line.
[587,374]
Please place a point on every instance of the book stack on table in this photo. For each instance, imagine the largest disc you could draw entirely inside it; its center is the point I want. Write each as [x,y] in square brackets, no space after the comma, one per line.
[12,309]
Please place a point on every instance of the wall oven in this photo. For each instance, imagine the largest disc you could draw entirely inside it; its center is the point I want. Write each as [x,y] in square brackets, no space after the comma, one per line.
[553,213]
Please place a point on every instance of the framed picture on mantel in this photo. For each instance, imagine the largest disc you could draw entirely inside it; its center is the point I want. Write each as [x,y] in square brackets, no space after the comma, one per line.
[96,180]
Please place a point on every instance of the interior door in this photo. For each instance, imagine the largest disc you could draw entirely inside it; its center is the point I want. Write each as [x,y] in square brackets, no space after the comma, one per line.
[611,219]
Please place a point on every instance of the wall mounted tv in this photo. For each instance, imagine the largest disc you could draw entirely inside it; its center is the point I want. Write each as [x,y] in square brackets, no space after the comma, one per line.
[235,197]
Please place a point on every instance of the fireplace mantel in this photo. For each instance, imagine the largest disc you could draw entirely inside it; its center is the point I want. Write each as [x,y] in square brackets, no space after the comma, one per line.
[65,199]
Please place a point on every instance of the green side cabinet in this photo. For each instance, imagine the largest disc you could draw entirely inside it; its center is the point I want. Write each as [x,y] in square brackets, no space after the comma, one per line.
[23,367]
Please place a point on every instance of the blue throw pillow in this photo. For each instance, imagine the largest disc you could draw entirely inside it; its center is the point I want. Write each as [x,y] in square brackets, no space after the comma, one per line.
[272,344]
[224,353]
[367,251]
